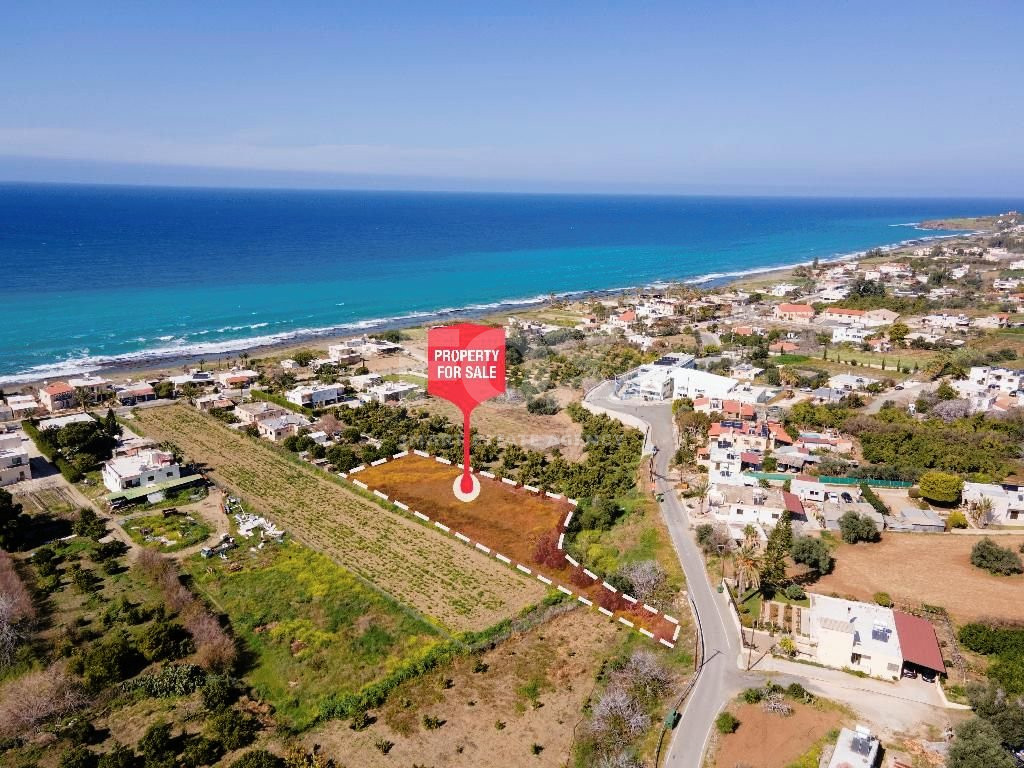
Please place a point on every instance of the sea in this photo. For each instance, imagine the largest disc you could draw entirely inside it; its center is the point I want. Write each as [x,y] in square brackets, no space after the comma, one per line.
[99,276]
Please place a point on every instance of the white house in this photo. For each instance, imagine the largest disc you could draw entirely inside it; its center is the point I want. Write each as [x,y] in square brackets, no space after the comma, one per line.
[1007,506]
[257,411]
[345,353]
[868,638]
[782,289]
[22,406]
[392,391]
[739,505]
[278,428]
[845,634]
[316,395]
[14,461]
[852,334]
[147,467]
[93,388]
[850,383]
[985,378]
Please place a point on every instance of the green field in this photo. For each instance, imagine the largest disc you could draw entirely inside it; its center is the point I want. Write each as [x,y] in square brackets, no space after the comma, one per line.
[311,627]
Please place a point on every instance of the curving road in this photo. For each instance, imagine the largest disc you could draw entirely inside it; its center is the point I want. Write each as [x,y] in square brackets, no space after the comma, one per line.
[718,679]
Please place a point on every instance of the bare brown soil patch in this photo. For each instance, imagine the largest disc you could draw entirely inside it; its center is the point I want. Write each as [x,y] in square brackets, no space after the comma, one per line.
[768,740]
[916,568]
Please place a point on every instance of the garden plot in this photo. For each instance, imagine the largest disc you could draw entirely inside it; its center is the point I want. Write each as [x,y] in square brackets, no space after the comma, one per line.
[517,525]
[432,573]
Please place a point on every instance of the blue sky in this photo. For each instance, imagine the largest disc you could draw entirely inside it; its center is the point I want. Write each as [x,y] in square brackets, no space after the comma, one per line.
[723,97]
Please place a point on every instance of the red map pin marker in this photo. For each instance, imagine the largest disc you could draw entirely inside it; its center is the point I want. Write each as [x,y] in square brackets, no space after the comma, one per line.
[466,366]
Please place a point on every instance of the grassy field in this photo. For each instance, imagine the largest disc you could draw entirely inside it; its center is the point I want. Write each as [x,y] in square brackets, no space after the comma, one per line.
[167,534]
[935,569]
[313,628]
[439,577]
[494,707]
[508,520]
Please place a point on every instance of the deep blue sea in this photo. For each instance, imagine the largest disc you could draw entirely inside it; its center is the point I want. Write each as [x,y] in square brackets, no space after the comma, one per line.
[92,275]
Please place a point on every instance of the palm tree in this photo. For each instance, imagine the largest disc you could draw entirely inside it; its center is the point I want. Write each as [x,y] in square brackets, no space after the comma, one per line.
[981,512]
[749,535]
[747,564]
[701,488]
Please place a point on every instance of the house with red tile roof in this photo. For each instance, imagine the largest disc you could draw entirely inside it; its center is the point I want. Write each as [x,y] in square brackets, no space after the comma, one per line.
[794,313]
[58,396]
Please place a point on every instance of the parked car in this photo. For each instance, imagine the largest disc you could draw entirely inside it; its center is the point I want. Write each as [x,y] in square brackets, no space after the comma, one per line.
[909,672]
[928,675]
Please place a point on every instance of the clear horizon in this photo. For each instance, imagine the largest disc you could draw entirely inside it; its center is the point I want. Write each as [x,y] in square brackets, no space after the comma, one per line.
[803,100]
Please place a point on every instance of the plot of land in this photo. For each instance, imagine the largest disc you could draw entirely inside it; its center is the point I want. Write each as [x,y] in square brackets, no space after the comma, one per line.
[436,575]
[534,685]
[314,628]
[512,521]
[514,424]
[936,569]
[768,740]
[167,534]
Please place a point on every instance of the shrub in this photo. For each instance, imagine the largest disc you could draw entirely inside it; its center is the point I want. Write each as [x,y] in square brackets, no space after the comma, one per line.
[233,729]
[77,757]
[797,691]
[119,756]
[383,745]
[753,695]
[544,405]
[883,599]
[156,745]
[941,487]
[172,680]
[795,592]
[1001,561]
[812,552]
[787,645]
[218,692]
[258,758]
[726,723]
[200,751]
[914,493]
[957,519]
[163,640]
[856,528]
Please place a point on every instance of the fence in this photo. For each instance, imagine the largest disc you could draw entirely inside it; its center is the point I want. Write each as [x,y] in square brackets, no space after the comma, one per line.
[782,477]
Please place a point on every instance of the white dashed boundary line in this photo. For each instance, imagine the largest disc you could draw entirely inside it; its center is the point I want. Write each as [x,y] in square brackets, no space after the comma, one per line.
[519,566]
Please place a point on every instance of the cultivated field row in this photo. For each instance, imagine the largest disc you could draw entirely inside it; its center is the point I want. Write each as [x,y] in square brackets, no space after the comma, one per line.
[461,589]
[508,519]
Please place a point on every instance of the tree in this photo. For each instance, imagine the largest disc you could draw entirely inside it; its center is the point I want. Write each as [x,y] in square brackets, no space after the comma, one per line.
[978,745]
[13,524]
[773,566]
[644,577]
[304,357]
[726,723]
[898,333]
[812,552]
[1001,561]
[748,569]
[855,528]
[941,487]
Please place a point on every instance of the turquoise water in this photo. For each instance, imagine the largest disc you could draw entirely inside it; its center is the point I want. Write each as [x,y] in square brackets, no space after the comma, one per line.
[96,275]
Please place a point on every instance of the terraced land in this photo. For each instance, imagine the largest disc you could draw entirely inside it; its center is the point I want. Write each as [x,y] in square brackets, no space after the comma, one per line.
[459,588]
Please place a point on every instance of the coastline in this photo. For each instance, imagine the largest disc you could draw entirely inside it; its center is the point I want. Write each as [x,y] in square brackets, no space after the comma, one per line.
[160,360]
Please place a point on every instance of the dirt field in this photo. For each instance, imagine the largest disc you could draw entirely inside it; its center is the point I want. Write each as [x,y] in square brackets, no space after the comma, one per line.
[534,685]
[505,519]
[917,568]
[439,577]
[514,424]
[766,740]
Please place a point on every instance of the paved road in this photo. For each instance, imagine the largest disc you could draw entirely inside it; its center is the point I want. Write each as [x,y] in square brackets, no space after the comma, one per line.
[719,678]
